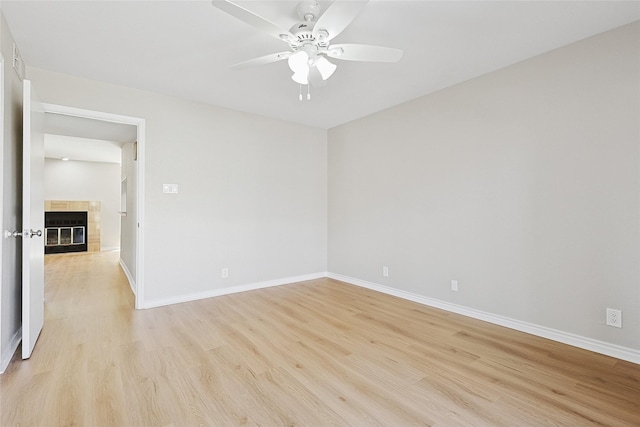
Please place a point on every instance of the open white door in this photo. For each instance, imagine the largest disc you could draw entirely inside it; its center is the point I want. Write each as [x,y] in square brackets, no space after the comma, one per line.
[32,220]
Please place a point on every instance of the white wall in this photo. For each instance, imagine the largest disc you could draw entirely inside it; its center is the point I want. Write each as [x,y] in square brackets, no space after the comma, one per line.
[521,184]
[78,180]
[252,191]
[11,286]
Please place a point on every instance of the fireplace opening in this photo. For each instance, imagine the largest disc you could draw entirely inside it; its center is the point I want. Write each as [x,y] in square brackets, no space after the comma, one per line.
[65,232]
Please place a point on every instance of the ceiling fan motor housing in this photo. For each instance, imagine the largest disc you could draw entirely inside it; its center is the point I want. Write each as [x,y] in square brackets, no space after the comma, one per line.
[308,11]
[303,34]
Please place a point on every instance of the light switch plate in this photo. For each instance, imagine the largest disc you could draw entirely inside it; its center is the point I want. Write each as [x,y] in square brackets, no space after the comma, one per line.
[170,188]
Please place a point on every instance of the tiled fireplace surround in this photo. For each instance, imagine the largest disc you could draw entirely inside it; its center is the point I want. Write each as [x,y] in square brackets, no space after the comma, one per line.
[93,217]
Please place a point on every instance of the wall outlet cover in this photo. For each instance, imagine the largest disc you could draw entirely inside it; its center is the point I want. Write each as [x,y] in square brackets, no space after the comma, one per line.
[614,317]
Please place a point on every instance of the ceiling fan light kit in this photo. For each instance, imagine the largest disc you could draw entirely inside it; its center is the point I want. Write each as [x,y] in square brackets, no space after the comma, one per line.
[310,39]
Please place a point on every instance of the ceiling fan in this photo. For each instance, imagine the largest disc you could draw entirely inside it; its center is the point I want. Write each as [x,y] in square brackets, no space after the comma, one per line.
[310,39]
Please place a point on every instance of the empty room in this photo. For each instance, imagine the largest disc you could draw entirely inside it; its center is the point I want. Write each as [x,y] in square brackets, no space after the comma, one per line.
[348,213]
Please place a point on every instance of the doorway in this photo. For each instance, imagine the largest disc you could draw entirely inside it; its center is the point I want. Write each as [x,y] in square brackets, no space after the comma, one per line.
[89,124]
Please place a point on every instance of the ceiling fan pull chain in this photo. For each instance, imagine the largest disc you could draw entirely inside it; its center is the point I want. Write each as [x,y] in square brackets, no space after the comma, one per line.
[308,93]
[300,96]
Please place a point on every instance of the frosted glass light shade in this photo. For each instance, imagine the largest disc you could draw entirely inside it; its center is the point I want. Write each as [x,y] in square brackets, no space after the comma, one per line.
[299,64]
[299,61]
[301,77]
[325,67]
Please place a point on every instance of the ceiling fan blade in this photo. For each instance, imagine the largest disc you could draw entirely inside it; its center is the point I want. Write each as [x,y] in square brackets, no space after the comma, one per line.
[262,60]
[252,19]
[315,78]
[338,15]
[363,52]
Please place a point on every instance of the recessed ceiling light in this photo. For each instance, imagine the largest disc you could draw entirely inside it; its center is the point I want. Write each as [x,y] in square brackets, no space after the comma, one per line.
[64,159]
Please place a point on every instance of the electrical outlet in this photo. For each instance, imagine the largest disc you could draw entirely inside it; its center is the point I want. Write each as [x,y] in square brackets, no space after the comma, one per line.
[224,273]
[614,318]
[454,285]
[385,271]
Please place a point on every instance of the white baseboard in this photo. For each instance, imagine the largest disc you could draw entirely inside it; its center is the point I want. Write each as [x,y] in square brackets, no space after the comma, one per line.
[619,352]
[232,290]
[132,282]
[11,349]
[109,248]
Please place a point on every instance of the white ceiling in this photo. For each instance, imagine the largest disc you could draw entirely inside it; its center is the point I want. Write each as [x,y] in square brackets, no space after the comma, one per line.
[185,48]
[83,139]
[82,149]
[81,127]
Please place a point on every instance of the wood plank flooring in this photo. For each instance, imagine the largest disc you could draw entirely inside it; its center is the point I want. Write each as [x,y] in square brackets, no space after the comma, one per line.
[315,353]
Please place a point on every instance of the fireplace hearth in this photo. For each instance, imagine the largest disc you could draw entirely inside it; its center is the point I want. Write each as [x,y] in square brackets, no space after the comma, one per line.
[65,232]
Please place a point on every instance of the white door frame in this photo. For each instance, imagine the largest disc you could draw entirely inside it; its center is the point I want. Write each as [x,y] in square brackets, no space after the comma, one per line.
[140,125]
[2,361]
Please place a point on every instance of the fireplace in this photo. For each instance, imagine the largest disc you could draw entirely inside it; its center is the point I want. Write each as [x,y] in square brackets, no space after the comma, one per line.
[65,232]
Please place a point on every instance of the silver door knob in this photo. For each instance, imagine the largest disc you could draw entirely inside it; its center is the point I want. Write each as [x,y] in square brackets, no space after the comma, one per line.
[35,233]
[15,234]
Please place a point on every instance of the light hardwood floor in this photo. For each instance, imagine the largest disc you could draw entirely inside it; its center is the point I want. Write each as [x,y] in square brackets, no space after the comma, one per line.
[311,354]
